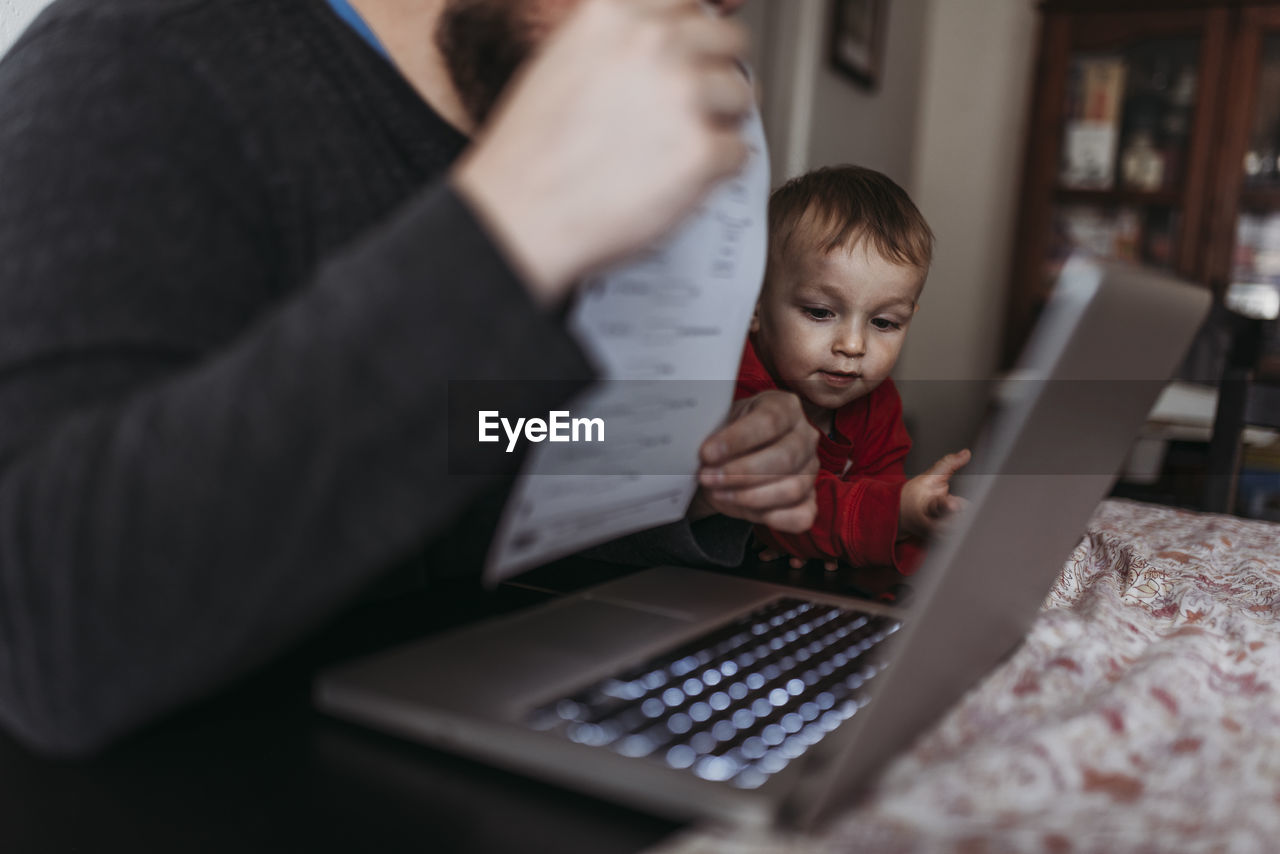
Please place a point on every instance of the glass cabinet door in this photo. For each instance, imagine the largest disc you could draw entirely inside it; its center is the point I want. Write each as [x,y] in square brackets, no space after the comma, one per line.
[1126,128]
[1120,154]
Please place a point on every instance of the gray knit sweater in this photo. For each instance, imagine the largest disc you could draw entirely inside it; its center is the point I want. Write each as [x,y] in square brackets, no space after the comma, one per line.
[233,288]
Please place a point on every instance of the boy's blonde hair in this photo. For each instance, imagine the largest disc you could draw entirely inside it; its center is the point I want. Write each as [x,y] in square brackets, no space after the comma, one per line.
[836,206]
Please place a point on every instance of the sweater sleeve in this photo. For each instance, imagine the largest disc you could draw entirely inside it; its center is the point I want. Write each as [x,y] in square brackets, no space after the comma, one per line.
[716,541]
[189,478]
[857,523]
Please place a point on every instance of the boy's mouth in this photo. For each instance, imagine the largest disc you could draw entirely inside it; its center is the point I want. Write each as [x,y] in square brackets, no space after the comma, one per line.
[839,378]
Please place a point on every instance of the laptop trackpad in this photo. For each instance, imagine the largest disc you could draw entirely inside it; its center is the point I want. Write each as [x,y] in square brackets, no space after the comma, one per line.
[591,629]
[499,668]
[687,594]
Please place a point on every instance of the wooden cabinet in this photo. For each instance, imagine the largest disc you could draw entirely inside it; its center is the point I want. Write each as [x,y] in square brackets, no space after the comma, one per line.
[1154,137]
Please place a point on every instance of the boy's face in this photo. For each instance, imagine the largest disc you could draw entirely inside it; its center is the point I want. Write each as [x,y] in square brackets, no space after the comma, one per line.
[830,327]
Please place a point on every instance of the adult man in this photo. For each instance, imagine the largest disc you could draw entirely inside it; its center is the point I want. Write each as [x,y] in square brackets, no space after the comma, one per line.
[238,265]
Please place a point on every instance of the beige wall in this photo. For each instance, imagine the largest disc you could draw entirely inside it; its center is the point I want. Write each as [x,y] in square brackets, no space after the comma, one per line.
[816,116]
[877,129]
[967,169]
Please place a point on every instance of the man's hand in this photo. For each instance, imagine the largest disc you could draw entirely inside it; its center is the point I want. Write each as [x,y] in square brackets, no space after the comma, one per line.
[927,500]
[761,465]
[616,128]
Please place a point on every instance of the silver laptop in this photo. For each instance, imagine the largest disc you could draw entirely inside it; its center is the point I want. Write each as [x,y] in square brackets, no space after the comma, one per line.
[696,694]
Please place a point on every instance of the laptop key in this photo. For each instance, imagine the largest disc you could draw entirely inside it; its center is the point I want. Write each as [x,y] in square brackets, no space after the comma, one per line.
[681,756]
[717,768]
[750,777]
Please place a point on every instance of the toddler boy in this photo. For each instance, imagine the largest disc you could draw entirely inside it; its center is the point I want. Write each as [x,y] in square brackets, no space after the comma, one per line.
[848,256]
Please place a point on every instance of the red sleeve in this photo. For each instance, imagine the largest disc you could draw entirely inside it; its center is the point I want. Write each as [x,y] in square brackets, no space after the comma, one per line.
[857,522]
[857,519]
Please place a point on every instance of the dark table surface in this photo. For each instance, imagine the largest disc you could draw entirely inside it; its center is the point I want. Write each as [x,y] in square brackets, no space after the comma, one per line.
[257,769]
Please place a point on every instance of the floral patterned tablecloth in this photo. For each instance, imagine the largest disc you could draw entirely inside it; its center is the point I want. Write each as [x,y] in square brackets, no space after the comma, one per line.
[1141,714]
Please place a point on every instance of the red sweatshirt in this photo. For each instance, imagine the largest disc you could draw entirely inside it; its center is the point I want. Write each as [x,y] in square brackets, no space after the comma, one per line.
[860,483]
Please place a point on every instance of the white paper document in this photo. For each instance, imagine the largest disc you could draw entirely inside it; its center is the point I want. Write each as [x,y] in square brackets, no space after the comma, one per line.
[666,331]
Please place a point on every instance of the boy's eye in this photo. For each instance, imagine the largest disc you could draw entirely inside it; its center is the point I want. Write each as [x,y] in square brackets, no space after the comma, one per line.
[884,324]
[818,313]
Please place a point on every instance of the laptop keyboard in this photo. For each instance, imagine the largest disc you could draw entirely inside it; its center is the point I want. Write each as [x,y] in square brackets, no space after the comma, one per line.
[738,703]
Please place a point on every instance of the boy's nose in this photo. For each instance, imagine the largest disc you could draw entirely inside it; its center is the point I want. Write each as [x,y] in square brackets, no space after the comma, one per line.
[850,343]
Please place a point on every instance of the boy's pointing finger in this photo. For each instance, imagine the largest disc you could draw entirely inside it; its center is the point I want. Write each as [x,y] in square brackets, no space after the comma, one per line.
[950,464]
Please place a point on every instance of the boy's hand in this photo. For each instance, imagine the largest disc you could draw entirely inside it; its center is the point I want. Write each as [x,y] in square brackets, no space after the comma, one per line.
[927,499]
[761,465]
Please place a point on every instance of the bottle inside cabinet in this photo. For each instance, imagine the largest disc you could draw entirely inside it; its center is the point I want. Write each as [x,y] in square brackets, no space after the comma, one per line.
[1127,117]
[1091,130]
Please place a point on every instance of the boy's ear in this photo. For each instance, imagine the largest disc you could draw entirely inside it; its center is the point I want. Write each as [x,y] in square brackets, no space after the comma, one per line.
[755,320]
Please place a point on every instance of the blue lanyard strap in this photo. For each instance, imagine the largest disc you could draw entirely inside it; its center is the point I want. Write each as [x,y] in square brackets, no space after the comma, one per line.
[347,12]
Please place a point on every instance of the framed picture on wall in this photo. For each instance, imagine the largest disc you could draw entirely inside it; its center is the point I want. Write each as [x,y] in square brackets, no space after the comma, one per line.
[857,39]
